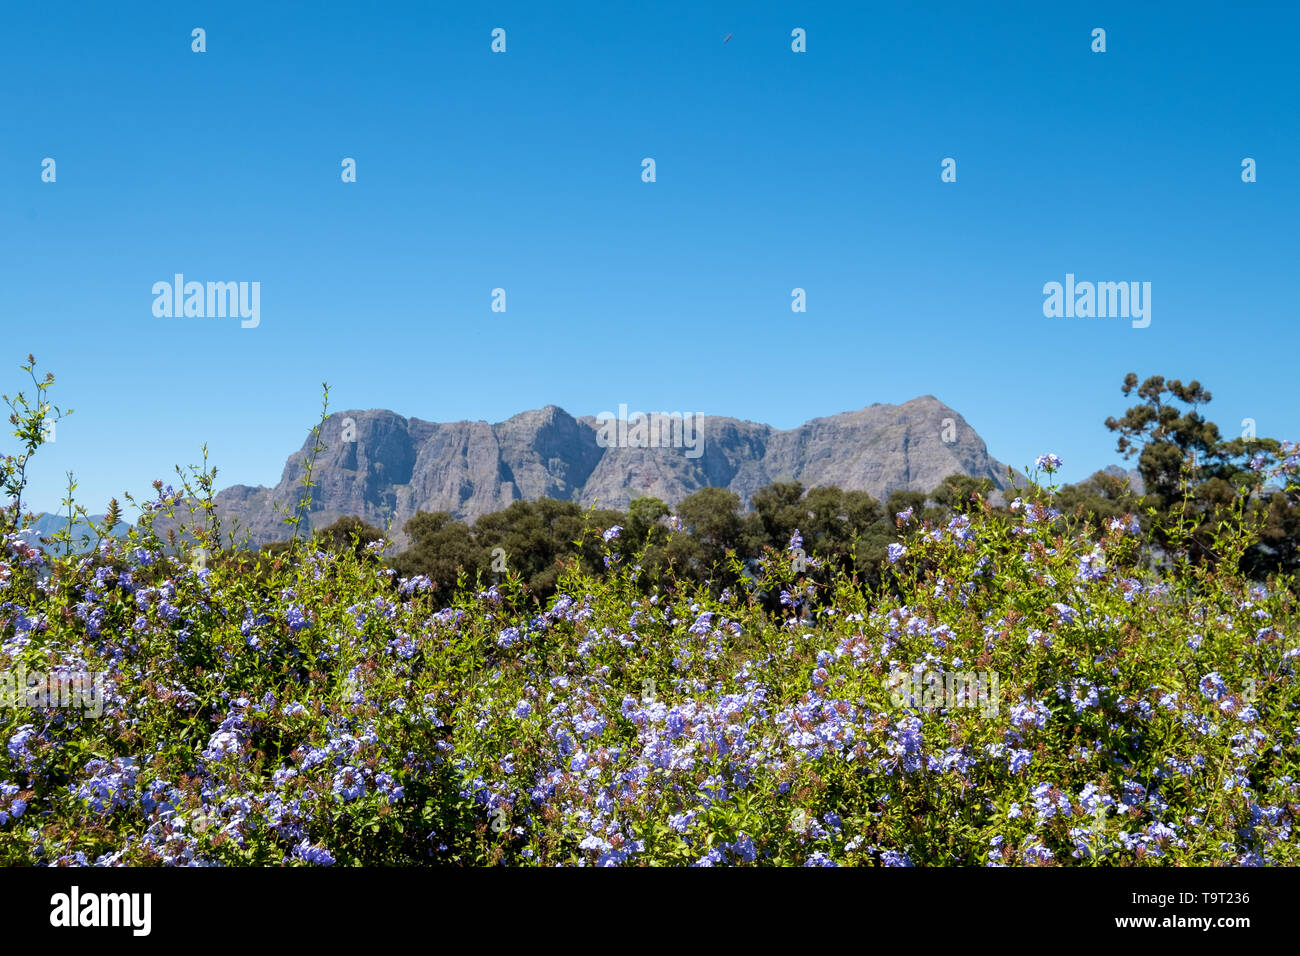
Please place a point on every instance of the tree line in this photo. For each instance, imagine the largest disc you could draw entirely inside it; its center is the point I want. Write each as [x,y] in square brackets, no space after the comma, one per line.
[1193,479]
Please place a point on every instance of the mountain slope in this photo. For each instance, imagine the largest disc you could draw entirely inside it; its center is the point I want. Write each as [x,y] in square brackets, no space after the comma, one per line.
[397,466]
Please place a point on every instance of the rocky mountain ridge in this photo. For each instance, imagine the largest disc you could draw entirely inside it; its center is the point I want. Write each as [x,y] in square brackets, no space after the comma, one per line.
[383,467]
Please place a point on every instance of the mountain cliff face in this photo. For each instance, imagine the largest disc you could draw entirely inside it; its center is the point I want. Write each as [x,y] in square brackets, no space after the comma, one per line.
[390,467]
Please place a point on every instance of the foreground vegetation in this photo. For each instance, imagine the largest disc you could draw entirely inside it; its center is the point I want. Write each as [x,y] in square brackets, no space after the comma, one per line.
[317,706]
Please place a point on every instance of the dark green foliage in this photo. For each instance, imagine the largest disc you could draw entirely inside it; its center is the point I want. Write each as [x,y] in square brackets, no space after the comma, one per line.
[536,540]
[1195,479]
[961,492]
[443,549]
[1099,499]
[712,519]
[540,537]
[348,534]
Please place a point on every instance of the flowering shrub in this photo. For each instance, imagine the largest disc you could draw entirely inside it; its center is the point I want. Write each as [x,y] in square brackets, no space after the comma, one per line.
[327,712]
[316,708]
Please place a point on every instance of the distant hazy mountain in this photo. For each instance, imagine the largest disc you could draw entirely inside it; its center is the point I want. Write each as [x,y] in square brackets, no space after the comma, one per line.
[397,466]
[1134,477]
[47,524]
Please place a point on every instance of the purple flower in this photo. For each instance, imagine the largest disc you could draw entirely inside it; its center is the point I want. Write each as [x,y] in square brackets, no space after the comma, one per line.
[421,582]
[18,742]
[1050,802]
[1213,686]
[1066,613]
[896,551]
[744,848]
[1032,714]
[110,785]
[311,854]
[222,744]
[681,822]
[10,806]
[385,784]
[1034,851]
[349,784]
[1018,760]
[1048,463]
[1119,525]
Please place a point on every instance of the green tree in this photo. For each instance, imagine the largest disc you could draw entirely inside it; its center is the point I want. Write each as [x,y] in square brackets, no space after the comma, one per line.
[1099,498]
[442,548]
[1171,441]
[960,492]
[779,510]
[539,537]
[712,516]
[347,533]
[1195,478]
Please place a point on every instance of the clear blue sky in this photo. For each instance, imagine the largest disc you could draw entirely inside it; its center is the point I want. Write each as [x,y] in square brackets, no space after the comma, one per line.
[523,171]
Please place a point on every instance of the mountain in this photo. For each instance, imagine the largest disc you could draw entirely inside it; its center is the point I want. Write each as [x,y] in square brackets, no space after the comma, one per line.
[47,525]
[1134,477]
[397,466]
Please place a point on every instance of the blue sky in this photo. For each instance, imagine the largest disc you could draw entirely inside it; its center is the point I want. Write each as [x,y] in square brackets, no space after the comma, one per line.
[522,170]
